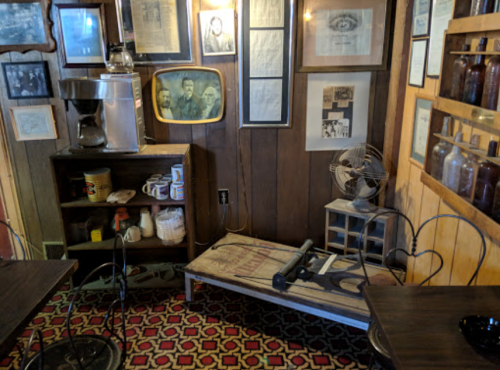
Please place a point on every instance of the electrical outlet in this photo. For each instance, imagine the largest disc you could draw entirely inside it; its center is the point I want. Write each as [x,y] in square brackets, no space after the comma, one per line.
[223,196]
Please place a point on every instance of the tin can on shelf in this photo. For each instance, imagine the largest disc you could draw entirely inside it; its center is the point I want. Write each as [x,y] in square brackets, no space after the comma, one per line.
[98,184]
[77,185]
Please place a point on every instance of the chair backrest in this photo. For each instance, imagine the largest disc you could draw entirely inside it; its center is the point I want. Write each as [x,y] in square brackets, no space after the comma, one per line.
[414,253]
[25,356]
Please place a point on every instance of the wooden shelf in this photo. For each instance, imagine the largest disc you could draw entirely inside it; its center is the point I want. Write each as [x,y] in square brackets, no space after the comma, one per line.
[480,153]
[145,243]
[140,199]
[480,23]
[148,151]
[469,112]
[475,52]
[462,206]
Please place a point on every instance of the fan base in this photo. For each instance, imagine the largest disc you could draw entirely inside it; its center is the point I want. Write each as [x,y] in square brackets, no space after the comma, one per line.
[362,206]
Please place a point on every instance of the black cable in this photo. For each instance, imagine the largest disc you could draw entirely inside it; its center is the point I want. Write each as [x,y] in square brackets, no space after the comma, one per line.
[223,221]
[17,237]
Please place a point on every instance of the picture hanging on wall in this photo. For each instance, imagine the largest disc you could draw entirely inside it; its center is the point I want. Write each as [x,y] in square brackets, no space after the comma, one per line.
[442,12]
[82,35]
[27,80]
[337,110]
[421,121]
[25,25]
[188,95]
[217,32]
[33,123]
[416,77]
[421,18]
[343,35]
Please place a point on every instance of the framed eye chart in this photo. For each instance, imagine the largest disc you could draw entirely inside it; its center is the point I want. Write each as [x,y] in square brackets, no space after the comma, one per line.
[266,29]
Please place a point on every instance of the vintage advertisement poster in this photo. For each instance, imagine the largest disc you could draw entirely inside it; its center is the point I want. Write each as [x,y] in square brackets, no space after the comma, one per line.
[266,53]
[155,26]
[265,99]
[338,107]
[346,32]
[267,13]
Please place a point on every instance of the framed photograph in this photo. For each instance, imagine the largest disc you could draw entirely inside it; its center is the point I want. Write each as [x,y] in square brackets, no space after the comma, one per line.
[421,122]
[343,35]
[188,95]
[25,25]
[156,31]
[337,110]
[27,80]
[33,123]
[416,77]
[442,12]
[217,32]
[421,18]
[82,35]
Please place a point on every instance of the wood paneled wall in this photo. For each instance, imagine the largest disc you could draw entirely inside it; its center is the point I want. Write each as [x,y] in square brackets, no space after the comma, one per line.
[457,242]
[277,189]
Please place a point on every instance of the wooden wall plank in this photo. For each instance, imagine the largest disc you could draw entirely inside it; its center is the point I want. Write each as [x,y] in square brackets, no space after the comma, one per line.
[489,275]
[466,254]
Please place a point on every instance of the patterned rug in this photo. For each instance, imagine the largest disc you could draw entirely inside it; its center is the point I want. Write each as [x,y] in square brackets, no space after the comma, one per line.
[220,330]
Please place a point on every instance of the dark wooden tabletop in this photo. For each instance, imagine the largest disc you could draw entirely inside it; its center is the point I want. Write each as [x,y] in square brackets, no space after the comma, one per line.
[25,288]
[421,324]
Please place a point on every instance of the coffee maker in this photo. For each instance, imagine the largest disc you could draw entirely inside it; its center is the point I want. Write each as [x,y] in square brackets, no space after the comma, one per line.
[121,128]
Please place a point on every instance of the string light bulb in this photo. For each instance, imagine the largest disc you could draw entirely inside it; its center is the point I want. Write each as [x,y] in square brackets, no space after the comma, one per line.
[307,15]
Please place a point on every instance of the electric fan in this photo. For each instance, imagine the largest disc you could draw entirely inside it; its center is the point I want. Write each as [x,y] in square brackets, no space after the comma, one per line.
[359,171]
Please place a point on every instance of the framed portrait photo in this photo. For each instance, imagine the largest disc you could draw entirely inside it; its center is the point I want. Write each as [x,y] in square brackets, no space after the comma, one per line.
[82,35]
[34,123]
[188,95]
[218,32]
[421,18]
[25,25]
[421,122]
[27,80]
[343,35]
[418,59]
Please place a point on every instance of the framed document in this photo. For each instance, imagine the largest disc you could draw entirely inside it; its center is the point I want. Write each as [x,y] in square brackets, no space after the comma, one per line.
[33,122]
[156,32]
[265,64]
[416,77]
[421,121]
[343,35]
[442,11]
[421,18]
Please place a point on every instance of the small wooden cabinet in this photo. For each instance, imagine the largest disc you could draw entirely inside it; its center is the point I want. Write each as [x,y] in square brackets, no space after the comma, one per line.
[343,227]
[128,171]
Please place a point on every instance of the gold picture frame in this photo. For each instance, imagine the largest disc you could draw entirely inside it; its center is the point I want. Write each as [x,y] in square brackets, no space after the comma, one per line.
[34,122]
[195,95]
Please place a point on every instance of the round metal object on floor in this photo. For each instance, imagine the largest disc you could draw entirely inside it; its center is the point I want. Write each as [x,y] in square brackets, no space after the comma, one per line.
[379,347]
[96,353]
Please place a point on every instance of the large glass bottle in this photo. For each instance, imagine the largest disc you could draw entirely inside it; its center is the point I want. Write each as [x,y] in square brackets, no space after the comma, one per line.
[460,67]
[491,83]
[474,77]
[487,178]
[468,173]
[479,7]
[453,164]
[440,151]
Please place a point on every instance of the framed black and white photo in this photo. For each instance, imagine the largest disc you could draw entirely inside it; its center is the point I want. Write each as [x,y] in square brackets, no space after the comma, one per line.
[27,80]
[421,122]
[25,25]
[156,31]
[421,18]
[82,35]
[337,110]
[217,32]
[33,123]
[418,59]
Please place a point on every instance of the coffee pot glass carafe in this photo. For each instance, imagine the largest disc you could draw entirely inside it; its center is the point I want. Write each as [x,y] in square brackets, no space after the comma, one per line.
[90,134]
[119,60]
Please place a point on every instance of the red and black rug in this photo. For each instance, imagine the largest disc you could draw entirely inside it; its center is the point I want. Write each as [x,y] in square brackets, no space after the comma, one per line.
[220,330]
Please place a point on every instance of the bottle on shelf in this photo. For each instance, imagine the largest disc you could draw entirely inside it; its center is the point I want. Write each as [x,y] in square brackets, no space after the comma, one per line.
[495,213]
[491,83]
[146,224]
[453,164]
[487,178]
[479,7]
[441,150]
[460,67]
[474,77]
[468,173]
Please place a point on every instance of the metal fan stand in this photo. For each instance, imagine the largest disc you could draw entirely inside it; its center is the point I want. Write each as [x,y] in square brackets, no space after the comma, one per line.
[361,205]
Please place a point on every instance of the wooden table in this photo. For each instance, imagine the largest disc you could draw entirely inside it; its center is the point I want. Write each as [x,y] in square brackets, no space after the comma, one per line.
[421,324]
[25,288]
[218,267]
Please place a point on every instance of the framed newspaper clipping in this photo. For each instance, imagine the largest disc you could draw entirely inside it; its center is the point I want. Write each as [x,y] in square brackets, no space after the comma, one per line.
[156,31]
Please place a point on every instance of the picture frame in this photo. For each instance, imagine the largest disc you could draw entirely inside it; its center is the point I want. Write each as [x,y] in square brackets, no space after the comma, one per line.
[420,129]
[421,18]
[418,60]
[441,14]
[27,80]
[343,35]
[34,123]
[217,32]
[150,42]
[82,35]
[188,95]
[25,25]
[337,110]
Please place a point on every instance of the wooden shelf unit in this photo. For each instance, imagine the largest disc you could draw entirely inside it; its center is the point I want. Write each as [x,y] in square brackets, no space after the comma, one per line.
[128,171]
[344,226]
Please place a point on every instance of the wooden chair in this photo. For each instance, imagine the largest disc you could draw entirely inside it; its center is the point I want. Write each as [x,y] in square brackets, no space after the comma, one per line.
[377,342]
